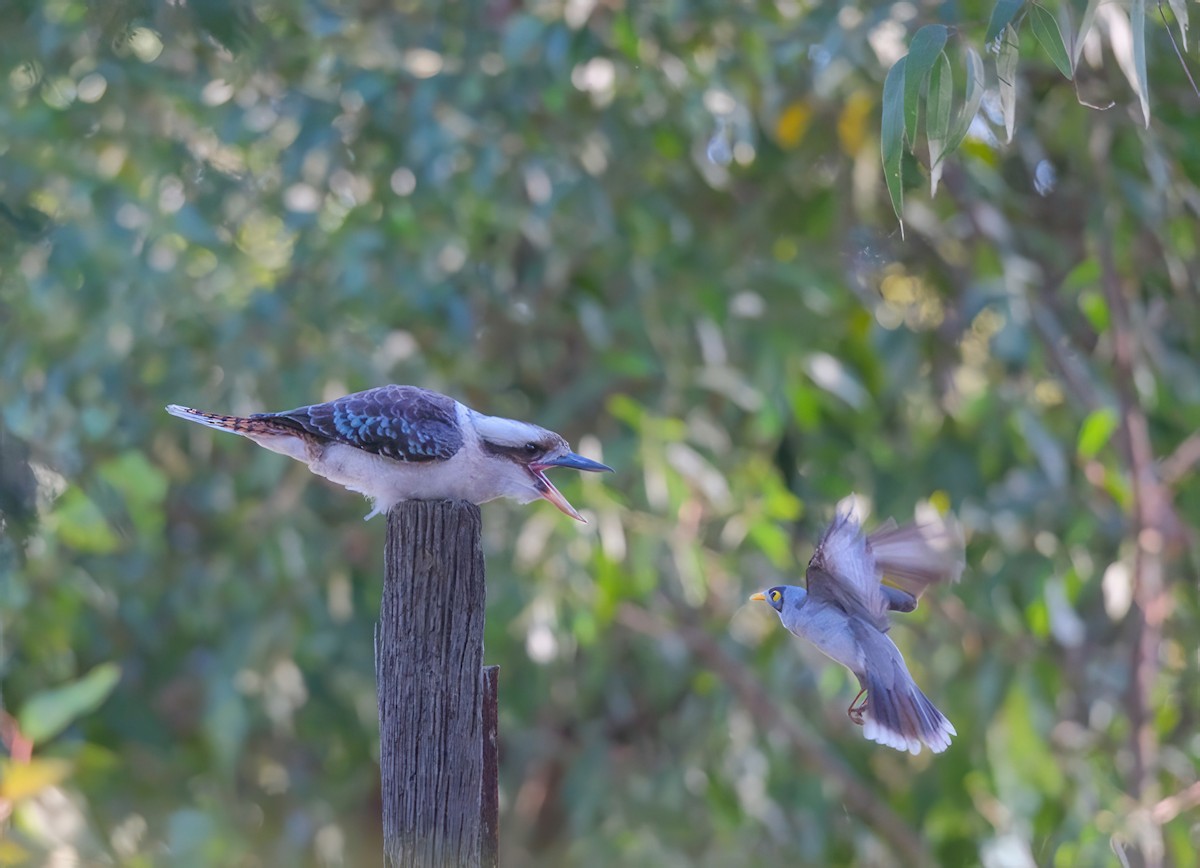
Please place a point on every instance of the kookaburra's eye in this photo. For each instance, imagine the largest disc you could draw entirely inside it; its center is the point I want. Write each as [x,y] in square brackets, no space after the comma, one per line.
[531,449]
[775,596]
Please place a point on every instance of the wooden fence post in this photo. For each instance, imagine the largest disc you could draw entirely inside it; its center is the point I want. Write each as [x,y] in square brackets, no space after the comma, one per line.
[436,729]
[490,849]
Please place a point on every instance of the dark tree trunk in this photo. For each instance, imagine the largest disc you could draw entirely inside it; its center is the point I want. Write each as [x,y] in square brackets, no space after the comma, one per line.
[434,692]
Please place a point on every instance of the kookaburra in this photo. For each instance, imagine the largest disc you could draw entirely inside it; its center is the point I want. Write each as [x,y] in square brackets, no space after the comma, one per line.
[399,443]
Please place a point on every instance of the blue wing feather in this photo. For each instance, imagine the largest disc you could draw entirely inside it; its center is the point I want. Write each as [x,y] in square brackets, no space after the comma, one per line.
[403,423]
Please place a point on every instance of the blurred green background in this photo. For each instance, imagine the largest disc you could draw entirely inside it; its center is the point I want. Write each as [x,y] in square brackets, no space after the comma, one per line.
[660,229]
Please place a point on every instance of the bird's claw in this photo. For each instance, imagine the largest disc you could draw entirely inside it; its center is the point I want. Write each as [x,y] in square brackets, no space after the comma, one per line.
[856,710]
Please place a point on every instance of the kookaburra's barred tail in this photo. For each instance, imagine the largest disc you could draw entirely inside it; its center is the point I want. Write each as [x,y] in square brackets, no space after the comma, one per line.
[244,425]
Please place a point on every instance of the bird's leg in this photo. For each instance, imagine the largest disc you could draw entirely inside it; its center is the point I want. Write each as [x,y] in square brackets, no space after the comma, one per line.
[855,711]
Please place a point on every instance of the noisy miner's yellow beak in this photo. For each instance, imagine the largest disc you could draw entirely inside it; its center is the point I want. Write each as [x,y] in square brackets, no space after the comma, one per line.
[759,596]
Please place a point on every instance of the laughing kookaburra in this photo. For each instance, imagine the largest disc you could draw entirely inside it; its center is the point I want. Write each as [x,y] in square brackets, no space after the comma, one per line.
[399,443]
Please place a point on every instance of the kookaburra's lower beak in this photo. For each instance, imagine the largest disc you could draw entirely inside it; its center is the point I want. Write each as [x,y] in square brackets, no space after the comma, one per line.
[760,597]
[552,494]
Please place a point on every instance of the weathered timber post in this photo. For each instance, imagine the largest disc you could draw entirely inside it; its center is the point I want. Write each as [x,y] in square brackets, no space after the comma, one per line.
[437,703]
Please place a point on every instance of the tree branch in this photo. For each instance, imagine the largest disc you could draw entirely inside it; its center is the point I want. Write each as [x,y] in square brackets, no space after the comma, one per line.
[1149,513]
[1179,463]
[1172,806]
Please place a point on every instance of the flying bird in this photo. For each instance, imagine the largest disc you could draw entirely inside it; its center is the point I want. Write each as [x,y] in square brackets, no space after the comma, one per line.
[844,612]
[397,443]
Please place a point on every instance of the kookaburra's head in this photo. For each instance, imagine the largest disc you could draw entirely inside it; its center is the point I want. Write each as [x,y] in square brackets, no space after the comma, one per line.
[519,453]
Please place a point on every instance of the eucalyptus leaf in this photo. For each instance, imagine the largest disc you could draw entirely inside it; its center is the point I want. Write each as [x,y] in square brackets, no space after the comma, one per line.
[937,116]
[81,524]
[1096,431]
[891,137]
[972,100]
[1180,11]
[1006,74]
[1002,14]
[925,49]
[1085,24]
[46,714]
[1045,30]
[1137,21]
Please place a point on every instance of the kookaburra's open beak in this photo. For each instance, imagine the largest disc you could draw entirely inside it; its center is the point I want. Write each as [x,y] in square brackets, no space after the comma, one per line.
[760,597]
[552,494]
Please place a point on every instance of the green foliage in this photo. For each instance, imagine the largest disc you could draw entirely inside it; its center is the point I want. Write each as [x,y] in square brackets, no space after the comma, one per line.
[1180,11]
[1095,432]
[1140,82]
[971,102]
[892,134]
[1002,15]
[250,206]
[1003,38]
[48,712]
[1045,30]
[81,525]
[1006,76]
[937,118]
[925,50]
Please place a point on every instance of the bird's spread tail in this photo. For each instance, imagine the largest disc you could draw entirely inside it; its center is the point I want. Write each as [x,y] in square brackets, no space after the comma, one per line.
[899,715]
[916,556]
[237,424]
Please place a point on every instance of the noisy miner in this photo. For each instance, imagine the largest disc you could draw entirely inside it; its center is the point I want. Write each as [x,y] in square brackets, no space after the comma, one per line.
[844,612]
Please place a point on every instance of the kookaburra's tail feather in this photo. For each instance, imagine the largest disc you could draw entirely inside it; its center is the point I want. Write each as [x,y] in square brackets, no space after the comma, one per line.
[243,425]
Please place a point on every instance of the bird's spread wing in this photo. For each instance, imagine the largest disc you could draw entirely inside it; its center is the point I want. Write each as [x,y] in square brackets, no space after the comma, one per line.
[915,556]
[842,572]
[399,422]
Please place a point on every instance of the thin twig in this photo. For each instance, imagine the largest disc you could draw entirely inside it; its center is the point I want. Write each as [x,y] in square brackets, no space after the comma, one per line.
[860,798]
[1149,510]
[1179,463]
[1172,806]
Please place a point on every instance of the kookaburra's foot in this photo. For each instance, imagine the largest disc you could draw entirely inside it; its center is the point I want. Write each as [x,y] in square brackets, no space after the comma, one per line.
[856,710]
